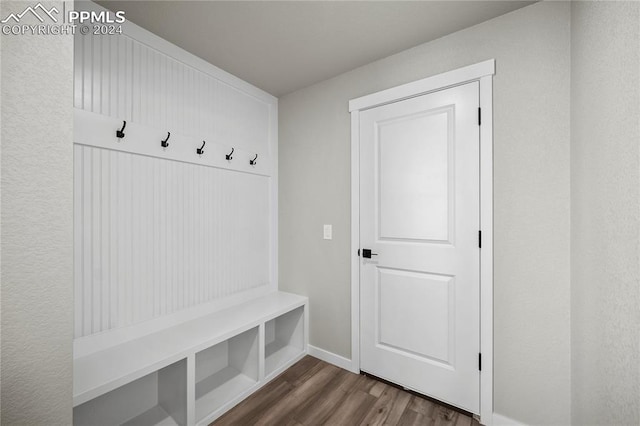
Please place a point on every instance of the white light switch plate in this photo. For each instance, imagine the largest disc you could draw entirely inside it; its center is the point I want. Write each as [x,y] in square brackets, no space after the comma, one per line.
[328,231]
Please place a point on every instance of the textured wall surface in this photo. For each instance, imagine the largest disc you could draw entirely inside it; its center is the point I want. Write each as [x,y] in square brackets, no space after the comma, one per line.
[531,165]
[37,226]
[605,213]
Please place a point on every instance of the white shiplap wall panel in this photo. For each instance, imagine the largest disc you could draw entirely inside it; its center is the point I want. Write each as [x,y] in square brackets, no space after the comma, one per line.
[156,236]
[157,232]
[242,118]
[120,77]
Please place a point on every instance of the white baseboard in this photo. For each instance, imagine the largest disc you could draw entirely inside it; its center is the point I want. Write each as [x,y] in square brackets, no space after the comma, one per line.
[500,420]
[330,357]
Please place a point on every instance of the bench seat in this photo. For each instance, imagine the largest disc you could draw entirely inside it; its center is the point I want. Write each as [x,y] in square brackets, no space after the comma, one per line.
[103,371]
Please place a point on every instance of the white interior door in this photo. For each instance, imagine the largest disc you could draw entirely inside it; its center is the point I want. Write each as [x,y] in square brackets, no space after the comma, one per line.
[419,216]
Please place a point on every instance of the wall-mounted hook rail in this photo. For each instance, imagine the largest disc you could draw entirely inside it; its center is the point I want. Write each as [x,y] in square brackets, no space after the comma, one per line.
[230,155]
[254,161]
[165,143]
[120,133]
[200,150]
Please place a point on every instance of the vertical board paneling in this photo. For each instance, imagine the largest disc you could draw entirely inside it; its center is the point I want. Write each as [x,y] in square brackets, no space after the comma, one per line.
[105,88]
[119,77]
[154,236]
[96,77]
[78,239]
[129,67]
[121,53]
[105,231]
[243,119]
[87,72]
[113,77]
[113,238]
[78,61]
[87,247]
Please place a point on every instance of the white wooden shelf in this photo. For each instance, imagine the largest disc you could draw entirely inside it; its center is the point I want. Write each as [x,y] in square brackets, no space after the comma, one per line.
[277,354]
[222,351]
[284,339]
[155,416]
[226,371]
[218,390]
[159,398]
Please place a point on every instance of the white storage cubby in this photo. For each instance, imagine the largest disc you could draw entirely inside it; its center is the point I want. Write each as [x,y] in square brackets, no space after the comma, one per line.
[159,398]
[284,339]
[191,372]
[225,371]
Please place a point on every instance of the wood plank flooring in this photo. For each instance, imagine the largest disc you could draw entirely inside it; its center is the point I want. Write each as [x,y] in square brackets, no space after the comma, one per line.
[313,392]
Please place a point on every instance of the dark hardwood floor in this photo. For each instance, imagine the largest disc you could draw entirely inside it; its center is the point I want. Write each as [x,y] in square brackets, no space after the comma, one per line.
[313,392]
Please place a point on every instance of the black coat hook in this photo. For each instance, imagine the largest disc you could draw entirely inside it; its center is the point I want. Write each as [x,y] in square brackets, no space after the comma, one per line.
[120,133]
[165,143]
[254,161]
[200,150]
[229,155]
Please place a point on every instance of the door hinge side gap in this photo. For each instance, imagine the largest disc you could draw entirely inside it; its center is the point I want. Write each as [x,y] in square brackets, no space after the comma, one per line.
[479,362]
[479,116]
[479,239]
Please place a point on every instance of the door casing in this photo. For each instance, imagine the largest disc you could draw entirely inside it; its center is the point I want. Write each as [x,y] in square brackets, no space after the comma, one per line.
[483,73]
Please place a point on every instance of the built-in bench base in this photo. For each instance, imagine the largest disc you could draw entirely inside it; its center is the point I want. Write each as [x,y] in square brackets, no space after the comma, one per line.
[195,371]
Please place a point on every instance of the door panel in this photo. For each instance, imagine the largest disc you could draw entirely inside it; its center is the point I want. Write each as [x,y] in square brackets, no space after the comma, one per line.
[413,211]
[419,212]
[423,299]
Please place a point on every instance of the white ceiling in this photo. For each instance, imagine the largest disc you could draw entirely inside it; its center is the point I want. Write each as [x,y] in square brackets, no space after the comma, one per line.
[282,46]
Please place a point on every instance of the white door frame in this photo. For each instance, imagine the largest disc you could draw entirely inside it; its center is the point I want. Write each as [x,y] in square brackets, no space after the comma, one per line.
[482,72]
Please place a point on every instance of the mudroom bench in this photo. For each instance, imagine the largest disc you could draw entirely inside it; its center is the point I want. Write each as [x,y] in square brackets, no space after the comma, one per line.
[192,372]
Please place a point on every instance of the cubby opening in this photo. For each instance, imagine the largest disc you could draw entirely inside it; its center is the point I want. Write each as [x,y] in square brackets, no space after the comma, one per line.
[225,371]
[284,339]
[159,398]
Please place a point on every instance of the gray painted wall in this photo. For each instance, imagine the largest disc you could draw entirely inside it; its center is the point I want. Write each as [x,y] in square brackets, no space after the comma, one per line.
[532,261]
[605,213]
[37,226]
